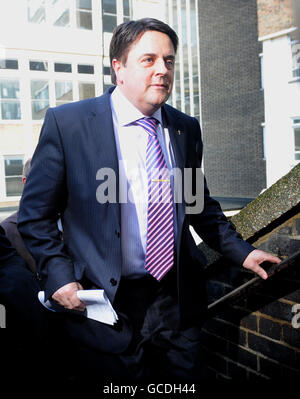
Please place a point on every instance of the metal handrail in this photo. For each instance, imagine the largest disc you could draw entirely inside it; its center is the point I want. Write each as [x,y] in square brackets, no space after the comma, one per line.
[237,292]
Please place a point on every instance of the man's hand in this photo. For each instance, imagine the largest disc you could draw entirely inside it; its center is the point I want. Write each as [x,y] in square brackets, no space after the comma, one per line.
[66,296]
[255,258]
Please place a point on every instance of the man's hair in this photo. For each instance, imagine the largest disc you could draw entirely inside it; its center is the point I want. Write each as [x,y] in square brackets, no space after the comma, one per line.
[26,167]
[127,33]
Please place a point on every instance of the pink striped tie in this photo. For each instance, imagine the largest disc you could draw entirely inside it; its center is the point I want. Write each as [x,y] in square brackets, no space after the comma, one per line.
[160,229]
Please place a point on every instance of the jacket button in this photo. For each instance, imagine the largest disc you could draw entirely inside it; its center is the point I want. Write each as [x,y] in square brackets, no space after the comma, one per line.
[113,282]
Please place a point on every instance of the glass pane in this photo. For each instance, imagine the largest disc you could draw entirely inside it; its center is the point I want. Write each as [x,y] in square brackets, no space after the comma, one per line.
[109,23]
[297,139]
[9,89]
[59,67]
[195,65]
[63,19]
[39,89]
[86,90]
[126,10]
[84,20]
[106,70]
[196,85]
[187,105]
[14,186]
[36,11]
[84,4]
[9,64]
[64,91]
[85,69]
[38,66]
[297,156]
[39,109]
[11,110]
[196,105]
[109,6]
[186,87]
[13,166]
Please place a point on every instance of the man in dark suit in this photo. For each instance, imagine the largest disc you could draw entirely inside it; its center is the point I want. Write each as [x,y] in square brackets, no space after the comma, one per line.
[89,152]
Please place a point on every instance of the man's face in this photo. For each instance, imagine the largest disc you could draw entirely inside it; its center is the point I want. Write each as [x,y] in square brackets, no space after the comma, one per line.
[146,79]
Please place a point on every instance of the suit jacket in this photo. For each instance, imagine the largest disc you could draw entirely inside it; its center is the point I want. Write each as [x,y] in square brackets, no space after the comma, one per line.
[12,233]
[76,141]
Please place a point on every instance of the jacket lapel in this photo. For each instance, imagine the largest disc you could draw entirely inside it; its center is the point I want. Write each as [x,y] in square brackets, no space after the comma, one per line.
[102,130]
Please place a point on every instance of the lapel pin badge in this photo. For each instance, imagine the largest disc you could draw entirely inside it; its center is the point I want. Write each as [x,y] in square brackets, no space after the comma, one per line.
[179,132]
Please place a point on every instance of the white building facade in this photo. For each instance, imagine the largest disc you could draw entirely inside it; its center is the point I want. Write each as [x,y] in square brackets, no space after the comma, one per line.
[57,51]
[281,85]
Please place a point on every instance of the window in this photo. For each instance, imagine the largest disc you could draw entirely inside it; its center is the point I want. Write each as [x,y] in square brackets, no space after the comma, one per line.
[296,58]
[85,69]
[296,125]
[126,8]
[59,67]
[63,92]
[61,13]
[84,14]
[106,70]
[36,11]
[38,65]
[109,6]
[9,98]
[109,15]
[86,90]
[9,64]
[39,98]
[13,167]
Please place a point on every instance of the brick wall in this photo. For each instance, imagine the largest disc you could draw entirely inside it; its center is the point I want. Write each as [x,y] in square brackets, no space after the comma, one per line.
[274,16]
[231,99]
[254,339]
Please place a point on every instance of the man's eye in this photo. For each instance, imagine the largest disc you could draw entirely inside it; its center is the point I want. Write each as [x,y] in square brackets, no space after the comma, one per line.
[147,60]
[170,63]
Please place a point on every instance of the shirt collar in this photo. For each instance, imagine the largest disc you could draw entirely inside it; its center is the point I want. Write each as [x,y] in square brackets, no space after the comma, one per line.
[125,112]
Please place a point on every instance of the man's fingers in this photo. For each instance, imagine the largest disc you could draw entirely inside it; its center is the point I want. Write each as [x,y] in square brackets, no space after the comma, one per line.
[66,296]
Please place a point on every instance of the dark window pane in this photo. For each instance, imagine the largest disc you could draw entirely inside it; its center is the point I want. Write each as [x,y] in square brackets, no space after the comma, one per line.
[126,10]
[58,67]
[84,4]
[11,110]
[109,6]
[85,69]
[106,70]
[9,64]
[14,186]
[84,20]
[38,66]
[13,167]
[109,23]
[297,139]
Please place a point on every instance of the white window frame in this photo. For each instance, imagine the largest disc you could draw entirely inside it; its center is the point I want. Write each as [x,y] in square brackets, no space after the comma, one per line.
[296,125]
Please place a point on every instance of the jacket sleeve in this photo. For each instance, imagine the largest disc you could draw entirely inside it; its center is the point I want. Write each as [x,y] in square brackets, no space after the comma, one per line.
[212,225]
[44,197]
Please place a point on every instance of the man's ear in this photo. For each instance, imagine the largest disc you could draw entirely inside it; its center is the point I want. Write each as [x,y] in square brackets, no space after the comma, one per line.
[118,68]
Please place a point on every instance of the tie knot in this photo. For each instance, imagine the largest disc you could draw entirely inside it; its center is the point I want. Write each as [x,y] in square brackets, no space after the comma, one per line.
[149,124]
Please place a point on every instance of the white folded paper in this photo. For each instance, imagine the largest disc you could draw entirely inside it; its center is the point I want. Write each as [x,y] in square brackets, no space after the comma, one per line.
[98,306]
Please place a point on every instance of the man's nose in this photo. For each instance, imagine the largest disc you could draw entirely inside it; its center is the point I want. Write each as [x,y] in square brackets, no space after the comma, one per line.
[160,66]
